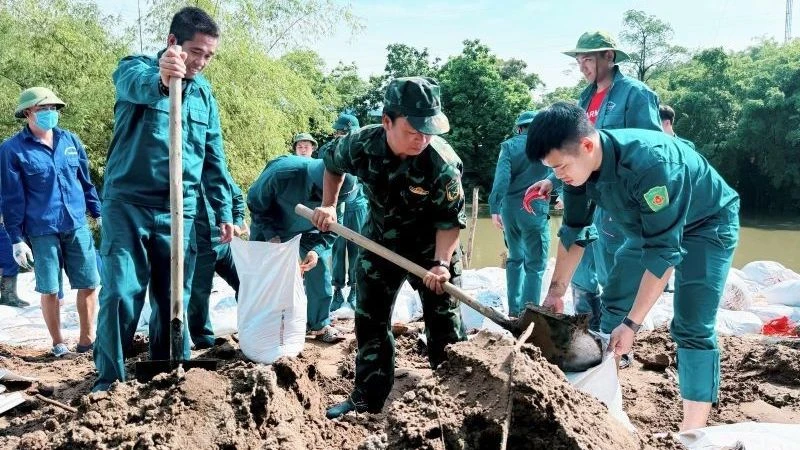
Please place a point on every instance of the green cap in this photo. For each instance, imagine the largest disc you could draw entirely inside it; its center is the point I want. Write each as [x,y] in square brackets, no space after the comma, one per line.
[525,118]
[303,137]
[419,99]
[597,41]
[36,96]
[346,122]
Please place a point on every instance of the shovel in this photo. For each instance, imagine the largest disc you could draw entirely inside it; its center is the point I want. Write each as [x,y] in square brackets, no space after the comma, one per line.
[146,370]
[564,340]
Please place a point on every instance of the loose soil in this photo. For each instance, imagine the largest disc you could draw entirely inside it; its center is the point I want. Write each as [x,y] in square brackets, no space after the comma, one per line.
[464,404]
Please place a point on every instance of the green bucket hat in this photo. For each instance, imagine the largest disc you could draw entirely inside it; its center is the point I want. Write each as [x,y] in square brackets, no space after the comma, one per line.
[36,96]
[303,137]
[419,99]
[597,41]
[346,122]
[525,118]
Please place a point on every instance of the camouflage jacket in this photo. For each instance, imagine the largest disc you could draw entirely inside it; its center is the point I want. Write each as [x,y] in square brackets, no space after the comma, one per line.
[410,199]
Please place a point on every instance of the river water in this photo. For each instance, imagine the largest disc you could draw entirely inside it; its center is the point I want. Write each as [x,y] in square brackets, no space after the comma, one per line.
[759,239]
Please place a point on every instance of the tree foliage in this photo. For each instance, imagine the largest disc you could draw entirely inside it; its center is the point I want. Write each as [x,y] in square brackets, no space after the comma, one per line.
[650,42]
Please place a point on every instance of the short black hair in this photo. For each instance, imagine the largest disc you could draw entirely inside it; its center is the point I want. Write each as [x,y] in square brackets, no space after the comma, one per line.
[556,127]
[665,112]
[189,21]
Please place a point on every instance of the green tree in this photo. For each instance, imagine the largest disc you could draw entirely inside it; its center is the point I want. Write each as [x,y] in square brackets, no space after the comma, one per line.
[481,106]
[650,41]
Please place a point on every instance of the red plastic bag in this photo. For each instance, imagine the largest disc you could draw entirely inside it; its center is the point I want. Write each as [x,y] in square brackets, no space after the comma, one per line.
[781,326]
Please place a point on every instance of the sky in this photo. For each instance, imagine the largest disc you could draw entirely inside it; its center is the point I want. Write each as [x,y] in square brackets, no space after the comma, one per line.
[535,31]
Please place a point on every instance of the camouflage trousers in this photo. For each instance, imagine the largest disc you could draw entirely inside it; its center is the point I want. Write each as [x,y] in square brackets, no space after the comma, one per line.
[378,282]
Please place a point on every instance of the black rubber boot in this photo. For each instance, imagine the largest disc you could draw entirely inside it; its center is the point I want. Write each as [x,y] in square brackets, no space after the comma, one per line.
[8,293]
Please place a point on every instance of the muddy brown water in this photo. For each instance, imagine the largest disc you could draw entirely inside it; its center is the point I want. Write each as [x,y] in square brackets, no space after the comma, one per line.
[759,240]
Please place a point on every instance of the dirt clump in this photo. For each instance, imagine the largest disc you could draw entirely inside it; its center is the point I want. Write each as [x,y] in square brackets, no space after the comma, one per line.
[464,404]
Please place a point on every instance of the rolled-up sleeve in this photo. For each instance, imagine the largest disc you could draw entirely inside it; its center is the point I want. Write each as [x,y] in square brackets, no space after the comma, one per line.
[663,194]
[576,225]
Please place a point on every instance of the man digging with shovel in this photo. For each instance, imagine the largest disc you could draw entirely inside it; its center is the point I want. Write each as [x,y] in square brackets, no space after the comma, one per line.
[412,179]
[136,238]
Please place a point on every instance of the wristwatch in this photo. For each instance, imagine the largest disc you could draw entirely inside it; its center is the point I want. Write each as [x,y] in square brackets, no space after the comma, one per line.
[631,324]
[442,263]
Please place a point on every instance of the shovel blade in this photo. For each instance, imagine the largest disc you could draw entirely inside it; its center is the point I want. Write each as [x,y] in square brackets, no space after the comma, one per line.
[146,370]
[564,340]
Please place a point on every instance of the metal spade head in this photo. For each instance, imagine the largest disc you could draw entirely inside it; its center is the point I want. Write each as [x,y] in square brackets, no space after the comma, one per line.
[564,340]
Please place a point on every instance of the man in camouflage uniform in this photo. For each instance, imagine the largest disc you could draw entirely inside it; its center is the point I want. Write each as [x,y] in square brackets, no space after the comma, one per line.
[412,179]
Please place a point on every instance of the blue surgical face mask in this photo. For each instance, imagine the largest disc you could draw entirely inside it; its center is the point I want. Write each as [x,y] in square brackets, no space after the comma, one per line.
[47,119]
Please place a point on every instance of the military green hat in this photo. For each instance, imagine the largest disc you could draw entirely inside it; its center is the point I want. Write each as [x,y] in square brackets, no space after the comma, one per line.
[346,122]
[419,99]
[303,137]
[525,118]
[597,41]
[36,96]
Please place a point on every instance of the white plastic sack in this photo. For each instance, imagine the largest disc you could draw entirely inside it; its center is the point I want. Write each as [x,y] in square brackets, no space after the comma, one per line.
[783,293]
[737,323]
[602,383]
[768,273]
[272,301]
[767,312]
[753,436]
[736,296]
[660,314]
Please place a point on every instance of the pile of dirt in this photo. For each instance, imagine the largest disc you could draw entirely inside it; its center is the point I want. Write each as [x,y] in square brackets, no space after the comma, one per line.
[465,404]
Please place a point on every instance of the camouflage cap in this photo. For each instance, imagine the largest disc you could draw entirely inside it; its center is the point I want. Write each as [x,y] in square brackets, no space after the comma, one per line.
[346,122]
[597,41]
[303,137]
[419,99]
[36,96]
[525,118]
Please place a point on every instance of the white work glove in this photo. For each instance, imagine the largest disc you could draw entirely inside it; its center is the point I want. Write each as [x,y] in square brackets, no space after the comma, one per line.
[23,255]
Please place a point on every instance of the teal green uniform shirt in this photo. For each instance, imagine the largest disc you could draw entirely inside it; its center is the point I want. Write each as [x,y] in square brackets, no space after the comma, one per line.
[629,103]
[409,198]
[237,208]
[654,186]
[137,169]
[284,183]
[514,174]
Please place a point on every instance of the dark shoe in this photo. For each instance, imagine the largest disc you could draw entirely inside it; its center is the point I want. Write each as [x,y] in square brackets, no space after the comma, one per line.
[338,299]
[345,407]
[202,345]
[352,298]
[8,293]
[626,360]
[84,348]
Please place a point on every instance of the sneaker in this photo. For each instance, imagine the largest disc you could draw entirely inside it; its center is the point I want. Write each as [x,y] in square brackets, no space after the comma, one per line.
[60,350]
[329,335]
[338,299]
[85,348]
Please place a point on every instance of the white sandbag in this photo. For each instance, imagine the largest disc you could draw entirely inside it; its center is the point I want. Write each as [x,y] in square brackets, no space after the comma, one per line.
[660,314]
[736,296]
[737,323]
[752,436]
[407,305]
[768,273]
[602,383]
[767,312]
[272,301]
[783,293]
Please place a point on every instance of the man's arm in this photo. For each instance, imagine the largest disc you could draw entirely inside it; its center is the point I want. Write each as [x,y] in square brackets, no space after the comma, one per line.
[642,110]
[13,194]
[502,178]
[89,191]
[137,82]
[215,170]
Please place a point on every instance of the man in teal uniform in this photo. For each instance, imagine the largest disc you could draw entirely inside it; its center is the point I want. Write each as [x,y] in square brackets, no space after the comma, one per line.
[304,144]
[412,179]
[212,257]
[285,182]
[527,234]
[667,116]
[135,245]
[47,192]
[612,100]
[677,214]
[345,253]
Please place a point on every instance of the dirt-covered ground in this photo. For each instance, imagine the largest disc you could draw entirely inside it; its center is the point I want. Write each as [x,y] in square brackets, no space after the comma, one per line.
[462,405]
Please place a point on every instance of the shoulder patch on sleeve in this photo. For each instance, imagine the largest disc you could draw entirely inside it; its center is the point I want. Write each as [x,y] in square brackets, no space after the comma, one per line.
[453,189]
[657,198]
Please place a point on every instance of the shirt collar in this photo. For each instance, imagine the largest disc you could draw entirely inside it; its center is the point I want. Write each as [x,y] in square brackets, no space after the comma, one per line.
[608,166]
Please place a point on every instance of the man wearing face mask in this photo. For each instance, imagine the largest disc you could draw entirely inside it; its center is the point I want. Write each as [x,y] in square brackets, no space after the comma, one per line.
[611,101]
[136,249]
[47,191]
[412,178]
